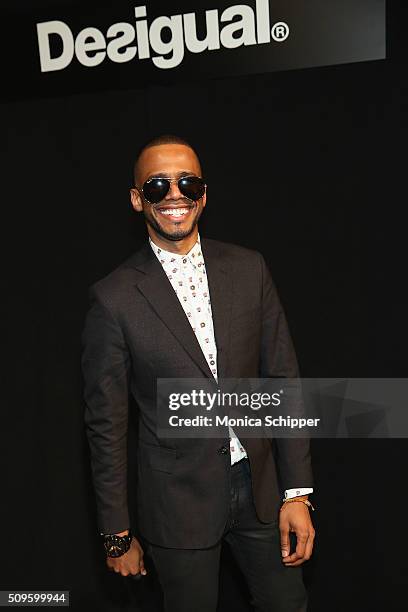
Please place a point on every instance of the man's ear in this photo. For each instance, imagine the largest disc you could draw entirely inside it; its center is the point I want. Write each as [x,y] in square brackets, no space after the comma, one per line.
[136,199]
[204,198]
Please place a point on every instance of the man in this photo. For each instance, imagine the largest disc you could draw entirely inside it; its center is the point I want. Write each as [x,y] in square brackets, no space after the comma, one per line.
[189,307]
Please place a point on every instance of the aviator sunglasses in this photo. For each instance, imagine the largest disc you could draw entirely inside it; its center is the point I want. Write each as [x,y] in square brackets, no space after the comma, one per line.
[155,189]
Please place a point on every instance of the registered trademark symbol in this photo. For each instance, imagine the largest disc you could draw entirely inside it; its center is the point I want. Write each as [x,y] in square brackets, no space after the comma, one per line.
[280,31]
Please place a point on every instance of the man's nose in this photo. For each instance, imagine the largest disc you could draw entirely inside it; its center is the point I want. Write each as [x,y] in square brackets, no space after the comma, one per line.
[174,192]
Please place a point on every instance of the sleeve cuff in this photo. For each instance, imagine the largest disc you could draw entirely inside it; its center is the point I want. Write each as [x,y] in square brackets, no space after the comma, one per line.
[295,492]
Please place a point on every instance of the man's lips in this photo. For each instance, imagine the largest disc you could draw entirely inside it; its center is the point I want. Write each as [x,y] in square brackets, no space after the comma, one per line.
[174,212]
[169,206]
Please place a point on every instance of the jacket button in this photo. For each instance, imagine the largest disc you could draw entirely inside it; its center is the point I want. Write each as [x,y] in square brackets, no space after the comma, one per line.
[223,450]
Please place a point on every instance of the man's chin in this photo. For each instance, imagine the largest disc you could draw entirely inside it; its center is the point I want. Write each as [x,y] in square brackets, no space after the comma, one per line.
[177,234]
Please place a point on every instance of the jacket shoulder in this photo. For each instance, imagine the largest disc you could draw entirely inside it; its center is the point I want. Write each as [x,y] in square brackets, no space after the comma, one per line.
[232,252]
[118,281]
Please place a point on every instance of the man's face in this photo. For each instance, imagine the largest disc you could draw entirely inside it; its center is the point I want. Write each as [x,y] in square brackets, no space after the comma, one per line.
[168,161]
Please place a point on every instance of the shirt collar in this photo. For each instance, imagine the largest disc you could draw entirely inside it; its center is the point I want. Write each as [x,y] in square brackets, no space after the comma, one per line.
[194,256]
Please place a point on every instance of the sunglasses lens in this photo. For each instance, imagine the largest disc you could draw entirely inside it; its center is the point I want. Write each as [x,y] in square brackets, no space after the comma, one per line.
[193,187]
[156,189]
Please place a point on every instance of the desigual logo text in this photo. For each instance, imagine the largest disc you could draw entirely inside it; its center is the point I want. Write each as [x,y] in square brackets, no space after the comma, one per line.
[164,40]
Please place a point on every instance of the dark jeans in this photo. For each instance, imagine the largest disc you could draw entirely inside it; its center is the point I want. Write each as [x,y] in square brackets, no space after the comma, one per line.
[189,578]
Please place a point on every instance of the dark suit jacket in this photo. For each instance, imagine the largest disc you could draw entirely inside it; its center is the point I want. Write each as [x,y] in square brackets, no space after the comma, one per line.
[136,331]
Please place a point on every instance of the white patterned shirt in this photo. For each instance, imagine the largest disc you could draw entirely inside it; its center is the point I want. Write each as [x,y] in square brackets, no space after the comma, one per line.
[187,275]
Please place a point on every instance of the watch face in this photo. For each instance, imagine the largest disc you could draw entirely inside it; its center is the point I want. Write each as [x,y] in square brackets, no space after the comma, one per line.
[115,547]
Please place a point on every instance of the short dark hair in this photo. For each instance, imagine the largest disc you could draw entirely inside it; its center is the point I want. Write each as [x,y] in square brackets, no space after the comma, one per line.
[157,141]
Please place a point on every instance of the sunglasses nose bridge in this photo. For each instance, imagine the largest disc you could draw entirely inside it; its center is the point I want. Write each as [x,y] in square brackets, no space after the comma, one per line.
[174,191]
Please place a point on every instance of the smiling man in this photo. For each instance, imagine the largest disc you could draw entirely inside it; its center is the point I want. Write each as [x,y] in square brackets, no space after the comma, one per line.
[191,307]
[169,213]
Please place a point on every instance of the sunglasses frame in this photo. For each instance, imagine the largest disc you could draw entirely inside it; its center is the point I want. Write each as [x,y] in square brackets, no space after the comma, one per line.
[170,180]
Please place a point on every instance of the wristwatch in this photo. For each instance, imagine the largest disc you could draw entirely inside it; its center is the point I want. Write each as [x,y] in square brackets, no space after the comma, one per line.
[115,545]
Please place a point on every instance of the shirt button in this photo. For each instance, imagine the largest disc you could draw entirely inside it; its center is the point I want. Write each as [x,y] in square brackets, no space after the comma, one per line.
[184,260]
[212,362]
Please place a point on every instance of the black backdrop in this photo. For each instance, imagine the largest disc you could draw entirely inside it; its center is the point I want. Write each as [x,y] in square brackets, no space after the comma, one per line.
[331,142]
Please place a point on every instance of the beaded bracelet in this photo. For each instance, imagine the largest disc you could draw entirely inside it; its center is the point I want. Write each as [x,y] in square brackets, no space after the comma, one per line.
[293,499]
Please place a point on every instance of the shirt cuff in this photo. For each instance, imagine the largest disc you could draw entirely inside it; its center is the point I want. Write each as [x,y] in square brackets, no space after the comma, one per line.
[295,492]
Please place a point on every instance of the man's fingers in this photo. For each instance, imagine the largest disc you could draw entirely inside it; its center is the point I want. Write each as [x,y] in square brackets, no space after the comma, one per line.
[299,553]
[303,551]
[302,539]
[142,568]
[285,542]
[128,565]
[309,545]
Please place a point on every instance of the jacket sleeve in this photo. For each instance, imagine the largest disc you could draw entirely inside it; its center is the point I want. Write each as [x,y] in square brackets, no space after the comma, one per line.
[105,368]
[278,359]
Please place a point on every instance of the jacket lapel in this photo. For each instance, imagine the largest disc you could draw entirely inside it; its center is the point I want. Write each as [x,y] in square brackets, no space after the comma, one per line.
[220,284]
[158,291]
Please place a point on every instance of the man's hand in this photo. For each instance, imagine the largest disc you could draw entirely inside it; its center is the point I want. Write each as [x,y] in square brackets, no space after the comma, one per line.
[295,517]
[129,563]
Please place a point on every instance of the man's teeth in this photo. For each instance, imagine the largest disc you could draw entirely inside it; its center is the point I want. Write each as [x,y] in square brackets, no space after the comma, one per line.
[176,212]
